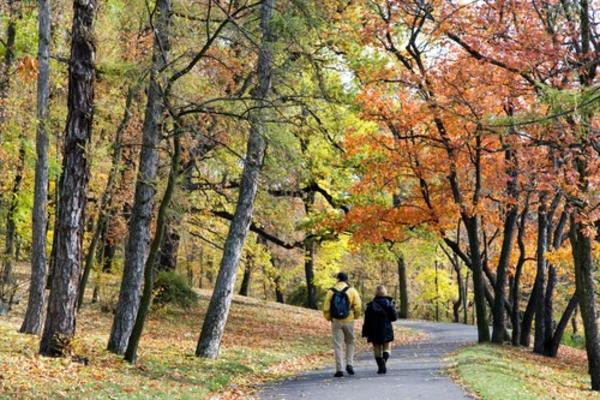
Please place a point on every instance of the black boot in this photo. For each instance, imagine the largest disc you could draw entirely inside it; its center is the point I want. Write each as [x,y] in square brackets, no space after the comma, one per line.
[381,365]
[386,356]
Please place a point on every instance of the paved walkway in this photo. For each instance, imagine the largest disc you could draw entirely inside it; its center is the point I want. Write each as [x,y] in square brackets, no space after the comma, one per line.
[414,372]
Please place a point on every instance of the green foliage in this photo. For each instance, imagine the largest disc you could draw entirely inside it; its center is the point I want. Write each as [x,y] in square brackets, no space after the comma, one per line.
[298,295]
[172,288]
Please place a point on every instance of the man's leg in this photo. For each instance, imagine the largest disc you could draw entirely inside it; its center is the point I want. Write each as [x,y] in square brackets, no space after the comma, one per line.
[349,339]
[337,333]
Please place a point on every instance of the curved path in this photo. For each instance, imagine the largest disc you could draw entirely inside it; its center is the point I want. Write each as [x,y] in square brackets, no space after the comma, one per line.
[414,372]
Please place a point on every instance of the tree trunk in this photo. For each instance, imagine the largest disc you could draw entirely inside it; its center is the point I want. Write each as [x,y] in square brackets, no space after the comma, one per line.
[164,8]
[461,292]
[278,291]
[9,56]
[581,245]
[562,325]
[540,278]
[466,299]
[245,287]
[402,286]
[528,315]
[34,316]
[516,288]
[169,249]
[498,313]
[472,227]
[139,226]
[105,202]
[220,302]
[11,227]
[309,273]
[60,322]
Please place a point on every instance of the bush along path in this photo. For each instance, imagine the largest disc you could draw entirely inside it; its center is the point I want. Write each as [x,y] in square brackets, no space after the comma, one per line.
[415,371]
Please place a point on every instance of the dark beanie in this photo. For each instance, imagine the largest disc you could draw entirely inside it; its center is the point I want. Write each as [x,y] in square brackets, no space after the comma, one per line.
[342,277]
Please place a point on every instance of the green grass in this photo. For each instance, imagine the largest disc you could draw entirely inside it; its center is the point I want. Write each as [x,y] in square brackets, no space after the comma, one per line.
[499,373]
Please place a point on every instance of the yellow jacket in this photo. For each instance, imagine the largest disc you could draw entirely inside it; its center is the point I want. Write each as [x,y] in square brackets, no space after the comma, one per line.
[353,296]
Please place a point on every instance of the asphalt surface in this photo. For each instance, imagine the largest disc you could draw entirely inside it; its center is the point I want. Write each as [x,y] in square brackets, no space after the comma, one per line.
[415,371]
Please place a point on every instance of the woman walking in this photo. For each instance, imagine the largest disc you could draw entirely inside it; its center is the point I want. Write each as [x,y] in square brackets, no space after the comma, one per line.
[377,327]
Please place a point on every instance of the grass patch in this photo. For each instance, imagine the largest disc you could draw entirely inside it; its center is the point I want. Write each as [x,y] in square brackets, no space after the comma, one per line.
[495,372]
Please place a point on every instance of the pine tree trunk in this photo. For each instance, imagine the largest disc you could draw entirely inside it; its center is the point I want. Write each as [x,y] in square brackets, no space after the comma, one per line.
[139,226]
[220,302]
[60,322]
[34,316]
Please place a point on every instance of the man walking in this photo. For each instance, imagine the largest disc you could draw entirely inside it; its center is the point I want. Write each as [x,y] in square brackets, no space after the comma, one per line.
[342,306]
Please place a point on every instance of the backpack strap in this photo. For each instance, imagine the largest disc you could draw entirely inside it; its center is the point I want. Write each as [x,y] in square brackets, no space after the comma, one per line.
[346,289]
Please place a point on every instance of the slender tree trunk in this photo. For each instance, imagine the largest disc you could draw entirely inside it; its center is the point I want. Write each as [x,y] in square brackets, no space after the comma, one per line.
[220,302]
[527,320]
[34,316]
[279,291]
[11,227]
[60,323]
[472,227]
[499,320]
[309,273]
[402,286]
[139,226]
[510,221]
[540,278]
[9,57]
[562,325]
[164,8]
[105,202]
[245,287]
[466,299]
[516,288]
[461,291]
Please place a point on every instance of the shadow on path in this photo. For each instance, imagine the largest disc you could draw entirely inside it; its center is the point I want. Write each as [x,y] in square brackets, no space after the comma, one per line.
[414,371]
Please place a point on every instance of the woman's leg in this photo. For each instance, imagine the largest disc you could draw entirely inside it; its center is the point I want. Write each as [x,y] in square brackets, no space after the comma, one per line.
[386,350]
[378,352]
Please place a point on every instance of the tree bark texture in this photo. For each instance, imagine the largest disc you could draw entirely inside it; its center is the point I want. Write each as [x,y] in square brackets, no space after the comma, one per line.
[60,322]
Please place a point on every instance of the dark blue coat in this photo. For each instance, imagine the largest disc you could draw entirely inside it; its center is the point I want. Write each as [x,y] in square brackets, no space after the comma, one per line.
[380,314]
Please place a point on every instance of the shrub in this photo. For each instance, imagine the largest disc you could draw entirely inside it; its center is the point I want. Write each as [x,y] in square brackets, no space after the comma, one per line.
[172,288]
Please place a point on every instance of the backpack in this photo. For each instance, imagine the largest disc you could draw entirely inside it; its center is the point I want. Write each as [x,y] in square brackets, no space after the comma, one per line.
[340,303]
